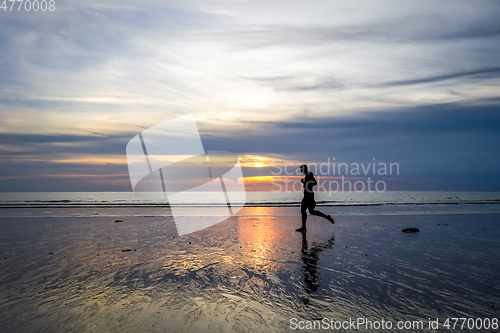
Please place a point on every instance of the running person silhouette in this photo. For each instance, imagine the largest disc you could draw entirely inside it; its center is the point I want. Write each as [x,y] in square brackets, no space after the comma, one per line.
[308,201]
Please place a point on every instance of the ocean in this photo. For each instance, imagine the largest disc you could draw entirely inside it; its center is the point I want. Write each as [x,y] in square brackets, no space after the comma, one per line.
[342,203]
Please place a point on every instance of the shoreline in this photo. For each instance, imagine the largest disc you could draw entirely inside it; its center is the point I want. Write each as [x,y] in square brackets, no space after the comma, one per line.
[248,211]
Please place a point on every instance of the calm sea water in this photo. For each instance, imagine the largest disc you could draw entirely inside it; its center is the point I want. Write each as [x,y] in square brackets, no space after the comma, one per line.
[344,203]
[254,198]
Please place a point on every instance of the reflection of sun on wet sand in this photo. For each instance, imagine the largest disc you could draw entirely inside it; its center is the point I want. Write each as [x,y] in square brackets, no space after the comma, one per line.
[249,273]
[258,237]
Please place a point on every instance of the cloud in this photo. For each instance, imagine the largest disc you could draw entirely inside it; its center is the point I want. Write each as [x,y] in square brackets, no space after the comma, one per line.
[477,75]
[302,83]
[454,143]
[399,80]
[50,147]
[180,58]
[429,140]
[408,29]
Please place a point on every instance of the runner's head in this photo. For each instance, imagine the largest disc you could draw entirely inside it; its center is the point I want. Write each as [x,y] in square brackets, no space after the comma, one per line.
[303,169]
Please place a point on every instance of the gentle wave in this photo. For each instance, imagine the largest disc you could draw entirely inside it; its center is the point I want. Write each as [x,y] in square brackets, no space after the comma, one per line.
[75,204]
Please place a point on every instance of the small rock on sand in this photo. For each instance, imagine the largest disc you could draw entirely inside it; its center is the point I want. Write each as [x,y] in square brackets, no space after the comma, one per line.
[118,221]
[411,230]
[126,250]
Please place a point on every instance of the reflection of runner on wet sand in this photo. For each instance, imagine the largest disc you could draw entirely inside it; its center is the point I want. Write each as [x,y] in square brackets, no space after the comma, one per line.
[310,258]
[308,201]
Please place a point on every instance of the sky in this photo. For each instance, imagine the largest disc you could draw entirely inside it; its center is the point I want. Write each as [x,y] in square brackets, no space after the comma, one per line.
[415,83]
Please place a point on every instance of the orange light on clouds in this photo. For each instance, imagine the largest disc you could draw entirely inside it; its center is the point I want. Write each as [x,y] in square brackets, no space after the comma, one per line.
[118,175]
[258,161]
[69,158]
[91,159]
[266,183]
[268,179]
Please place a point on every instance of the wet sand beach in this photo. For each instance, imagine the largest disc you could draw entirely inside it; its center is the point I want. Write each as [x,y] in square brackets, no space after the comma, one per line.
[65,270]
